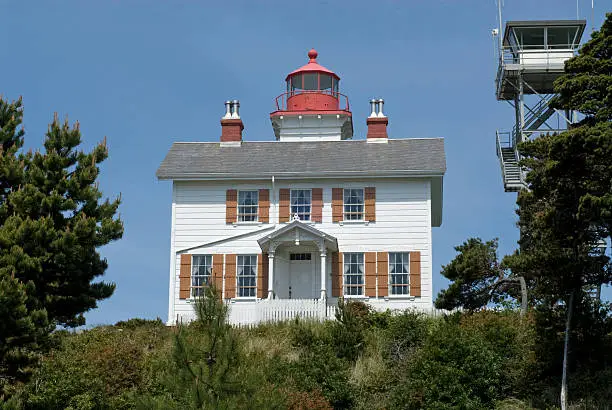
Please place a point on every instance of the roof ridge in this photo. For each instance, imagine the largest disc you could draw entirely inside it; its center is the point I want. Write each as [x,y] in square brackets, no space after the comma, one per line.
[311,142]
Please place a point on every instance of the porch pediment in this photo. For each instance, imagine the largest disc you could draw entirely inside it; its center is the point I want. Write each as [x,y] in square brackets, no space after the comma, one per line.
[297,232]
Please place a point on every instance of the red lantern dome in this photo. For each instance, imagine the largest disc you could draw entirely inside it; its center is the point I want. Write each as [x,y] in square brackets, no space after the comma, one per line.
[312,92]
[312,87]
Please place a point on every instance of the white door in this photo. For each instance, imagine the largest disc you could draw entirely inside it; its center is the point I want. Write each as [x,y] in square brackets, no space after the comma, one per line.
[301,276]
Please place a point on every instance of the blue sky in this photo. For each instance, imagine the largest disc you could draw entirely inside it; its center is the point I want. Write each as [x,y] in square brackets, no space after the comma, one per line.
[148,73]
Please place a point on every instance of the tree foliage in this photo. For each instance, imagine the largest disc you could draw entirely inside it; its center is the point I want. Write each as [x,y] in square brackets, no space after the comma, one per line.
[52,223]
[478,278]
[472,274]
[205,362]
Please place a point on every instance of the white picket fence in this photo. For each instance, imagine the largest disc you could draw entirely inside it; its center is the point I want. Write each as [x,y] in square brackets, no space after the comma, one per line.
[279,310]
[248,313]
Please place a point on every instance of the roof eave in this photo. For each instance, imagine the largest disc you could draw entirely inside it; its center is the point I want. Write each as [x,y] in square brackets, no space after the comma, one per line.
[303,175]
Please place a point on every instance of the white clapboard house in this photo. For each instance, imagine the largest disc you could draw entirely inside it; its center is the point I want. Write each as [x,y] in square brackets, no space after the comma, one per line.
[287,225]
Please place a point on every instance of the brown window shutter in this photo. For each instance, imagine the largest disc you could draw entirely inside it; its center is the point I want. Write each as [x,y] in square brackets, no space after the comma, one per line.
[262,275]
[231,199]
[264,206]
[185,277]
[337,200]
[370,204]
[370,274]
[230,276]
[217,272]
[337,270]
[317,205]
[383,273]
[415,273]
[283,205]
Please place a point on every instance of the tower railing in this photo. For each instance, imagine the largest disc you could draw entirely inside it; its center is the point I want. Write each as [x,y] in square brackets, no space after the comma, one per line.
[281,100]
[537,55]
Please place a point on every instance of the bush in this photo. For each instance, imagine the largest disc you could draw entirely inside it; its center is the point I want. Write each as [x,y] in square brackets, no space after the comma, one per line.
[470,364]
[347,332]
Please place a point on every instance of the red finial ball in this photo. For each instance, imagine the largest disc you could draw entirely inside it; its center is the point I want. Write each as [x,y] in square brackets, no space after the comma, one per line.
[312,54]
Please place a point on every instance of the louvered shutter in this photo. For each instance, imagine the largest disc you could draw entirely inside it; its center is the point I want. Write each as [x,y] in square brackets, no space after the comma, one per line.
[370,274]
[264,206]
[230,276]
[231,199]
[217,273]
[283,205]
[185,277]
[383,273]
[337,270]
[317,205]
[415,273]
[370,204]
[262,275]
[337,200]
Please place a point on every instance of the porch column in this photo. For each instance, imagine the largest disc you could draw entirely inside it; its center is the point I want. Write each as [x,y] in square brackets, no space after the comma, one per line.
[271,275]
[323,276]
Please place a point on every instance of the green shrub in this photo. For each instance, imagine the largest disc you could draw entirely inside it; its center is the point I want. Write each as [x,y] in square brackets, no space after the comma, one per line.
[468,363]
[347,332]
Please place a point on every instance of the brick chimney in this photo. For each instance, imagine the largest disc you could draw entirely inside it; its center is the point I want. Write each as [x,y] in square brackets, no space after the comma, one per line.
[231,124]
[377,122]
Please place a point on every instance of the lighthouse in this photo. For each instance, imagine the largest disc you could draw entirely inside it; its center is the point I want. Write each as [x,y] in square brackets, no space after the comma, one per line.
[312,108]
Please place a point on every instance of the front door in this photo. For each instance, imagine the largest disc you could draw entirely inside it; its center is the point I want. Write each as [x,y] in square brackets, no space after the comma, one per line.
[301,276]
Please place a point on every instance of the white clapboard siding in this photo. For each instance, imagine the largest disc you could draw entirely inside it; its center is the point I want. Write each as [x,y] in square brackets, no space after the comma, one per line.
[403,223]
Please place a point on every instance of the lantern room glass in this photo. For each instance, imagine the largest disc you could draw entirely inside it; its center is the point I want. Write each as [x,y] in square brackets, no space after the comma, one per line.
[326,83]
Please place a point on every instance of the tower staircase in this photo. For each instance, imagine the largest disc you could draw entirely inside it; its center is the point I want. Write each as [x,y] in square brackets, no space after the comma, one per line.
[507,153]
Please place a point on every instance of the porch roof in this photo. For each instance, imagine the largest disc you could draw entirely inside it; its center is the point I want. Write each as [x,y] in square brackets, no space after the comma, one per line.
[297,226]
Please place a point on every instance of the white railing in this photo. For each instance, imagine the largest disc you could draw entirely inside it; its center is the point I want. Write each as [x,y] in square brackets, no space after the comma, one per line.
[537,56]
[251,313]
[279,310]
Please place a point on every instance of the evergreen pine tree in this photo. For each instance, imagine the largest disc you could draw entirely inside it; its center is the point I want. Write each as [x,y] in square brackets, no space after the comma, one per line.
[23,328]
[54,223]
[206,359]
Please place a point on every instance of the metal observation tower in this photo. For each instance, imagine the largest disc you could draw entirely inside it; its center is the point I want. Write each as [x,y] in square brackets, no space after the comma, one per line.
[531,56]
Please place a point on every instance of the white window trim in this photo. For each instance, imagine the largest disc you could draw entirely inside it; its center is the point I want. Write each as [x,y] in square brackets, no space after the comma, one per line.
[344,295]
[191,287]
[291,203]
[354,222]
[238,221]
[407,296]
[248,223]
[361,221]
[237,276]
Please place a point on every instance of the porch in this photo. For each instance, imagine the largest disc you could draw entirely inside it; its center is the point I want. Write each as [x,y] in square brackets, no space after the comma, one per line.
[297,266]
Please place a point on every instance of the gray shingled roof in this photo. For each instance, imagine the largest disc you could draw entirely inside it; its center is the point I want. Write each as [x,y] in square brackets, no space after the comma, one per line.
[415,156]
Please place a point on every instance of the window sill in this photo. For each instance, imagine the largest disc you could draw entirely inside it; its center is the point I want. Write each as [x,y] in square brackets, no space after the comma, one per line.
[354,222]
[247,223]
[243,299]
[358,297]
[400,297]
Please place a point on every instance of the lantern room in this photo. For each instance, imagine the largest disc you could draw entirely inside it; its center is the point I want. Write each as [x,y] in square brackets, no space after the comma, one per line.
[312,108]
[312,87]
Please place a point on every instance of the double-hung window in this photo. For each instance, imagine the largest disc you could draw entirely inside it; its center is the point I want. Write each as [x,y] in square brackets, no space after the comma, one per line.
[247,276]
[399,273]
[353,273]
[353,204]
[301,203]
[248,206]
[201,271]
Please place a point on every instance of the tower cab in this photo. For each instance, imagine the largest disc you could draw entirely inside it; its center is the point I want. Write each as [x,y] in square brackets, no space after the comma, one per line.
[536,50]
[312,108]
